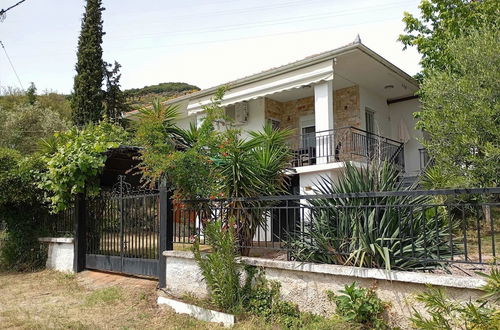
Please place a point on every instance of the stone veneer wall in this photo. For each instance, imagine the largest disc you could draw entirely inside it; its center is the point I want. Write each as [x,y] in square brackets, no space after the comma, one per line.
[305,284]
[346,109]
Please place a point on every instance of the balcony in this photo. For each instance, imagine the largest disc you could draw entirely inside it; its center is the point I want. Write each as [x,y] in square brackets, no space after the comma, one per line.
[345,144]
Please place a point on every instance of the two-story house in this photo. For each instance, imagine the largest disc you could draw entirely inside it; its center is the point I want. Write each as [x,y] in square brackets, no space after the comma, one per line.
[345,105]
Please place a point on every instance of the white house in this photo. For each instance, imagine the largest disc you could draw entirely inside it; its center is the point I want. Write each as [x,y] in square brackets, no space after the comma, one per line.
[347,104]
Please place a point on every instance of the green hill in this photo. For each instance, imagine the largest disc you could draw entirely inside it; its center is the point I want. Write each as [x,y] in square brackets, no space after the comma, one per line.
[139,97]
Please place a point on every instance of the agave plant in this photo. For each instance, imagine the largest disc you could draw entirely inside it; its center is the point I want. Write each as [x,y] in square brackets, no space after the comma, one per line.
[392,232]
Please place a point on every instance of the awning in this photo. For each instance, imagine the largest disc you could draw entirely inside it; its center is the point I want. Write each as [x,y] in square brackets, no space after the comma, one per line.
[286,81]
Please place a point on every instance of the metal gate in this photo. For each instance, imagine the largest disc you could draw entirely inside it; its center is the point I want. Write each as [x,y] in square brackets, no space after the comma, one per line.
[122,231]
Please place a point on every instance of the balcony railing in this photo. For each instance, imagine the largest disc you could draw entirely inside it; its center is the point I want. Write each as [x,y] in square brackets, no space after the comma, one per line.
[425,159]
[345,144]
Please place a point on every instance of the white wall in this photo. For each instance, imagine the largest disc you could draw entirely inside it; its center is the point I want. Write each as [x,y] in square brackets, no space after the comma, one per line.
[185,122]
[256,118]
[404,111]
[379,105]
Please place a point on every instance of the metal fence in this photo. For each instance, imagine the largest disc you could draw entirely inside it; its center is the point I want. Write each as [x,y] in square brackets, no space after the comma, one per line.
[60,224]
[405,229]
[343,144]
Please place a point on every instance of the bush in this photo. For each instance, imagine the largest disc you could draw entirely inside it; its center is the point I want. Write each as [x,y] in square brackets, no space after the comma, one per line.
[21,209]
[444,313]
[387,236]
[74,160]
[255,295]
[360,305]
[220,269]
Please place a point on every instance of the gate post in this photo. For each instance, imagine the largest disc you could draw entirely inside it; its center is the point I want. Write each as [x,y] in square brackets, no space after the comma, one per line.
[80,228]
[165,241]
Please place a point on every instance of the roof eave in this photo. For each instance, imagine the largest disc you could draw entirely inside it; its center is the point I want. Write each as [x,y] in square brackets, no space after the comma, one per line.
[298,65]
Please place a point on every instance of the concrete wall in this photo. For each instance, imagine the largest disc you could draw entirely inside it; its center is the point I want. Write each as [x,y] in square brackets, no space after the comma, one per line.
[379,105]
[60,253]
[305,283]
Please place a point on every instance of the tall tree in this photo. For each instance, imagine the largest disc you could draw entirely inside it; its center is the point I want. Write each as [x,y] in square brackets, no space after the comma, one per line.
[87,98]
[442,21]
[461,114]
[31,93]
[114,99]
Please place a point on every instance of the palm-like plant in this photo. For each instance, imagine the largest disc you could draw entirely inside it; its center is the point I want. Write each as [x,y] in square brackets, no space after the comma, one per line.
[253,168]
[393,232]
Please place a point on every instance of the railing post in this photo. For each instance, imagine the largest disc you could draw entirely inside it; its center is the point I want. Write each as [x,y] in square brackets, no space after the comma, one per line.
[165,240]
[80,227]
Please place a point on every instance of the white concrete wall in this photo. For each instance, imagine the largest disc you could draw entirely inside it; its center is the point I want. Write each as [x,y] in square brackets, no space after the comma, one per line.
[256,118]
[379,105]
[60,253]
[404,111]
[185,122]
[305,284]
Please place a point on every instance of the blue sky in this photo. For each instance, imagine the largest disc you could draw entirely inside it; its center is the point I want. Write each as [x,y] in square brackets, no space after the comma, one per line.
[204,43]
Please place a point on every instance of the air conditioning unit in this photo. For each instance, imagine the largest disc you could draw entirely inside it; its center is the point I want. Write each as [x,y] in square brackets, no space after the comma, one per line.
[241,113]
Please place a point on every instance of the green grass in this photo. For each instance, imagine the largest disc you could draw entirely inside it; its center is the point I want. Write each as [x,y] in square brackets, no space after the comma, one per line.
[104,296]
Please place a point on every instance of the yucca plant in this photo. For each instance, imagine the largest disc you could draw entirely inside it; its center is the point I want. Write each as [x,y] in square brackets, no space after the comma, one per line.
[393,232]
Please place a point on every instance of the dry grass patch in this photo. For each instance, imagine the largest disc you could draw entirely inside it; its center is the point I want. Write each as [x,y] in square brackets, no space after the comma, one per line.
[53,300]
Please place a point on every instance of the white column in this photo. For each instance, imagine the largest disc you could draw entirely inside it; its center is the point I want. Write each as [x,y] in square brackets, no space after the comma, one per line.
[323,115]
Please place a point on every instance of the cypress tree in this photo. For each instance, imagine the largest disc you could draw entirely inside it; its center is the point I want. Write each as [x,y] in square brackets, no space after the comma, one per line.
[87,98]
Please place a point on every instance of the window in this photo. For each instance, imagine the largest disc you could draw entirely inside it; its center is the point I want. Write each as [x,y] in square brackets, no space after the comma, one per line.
[275,123]
[370,120]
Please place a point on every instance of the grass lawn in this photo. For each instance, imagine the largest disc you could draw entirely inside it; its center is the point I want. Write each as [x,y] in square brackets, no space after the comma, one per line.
[52,300]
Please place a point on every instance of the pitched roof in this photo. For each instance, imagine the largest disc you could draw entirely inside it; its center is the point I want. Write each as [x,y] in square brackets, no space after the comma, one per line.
[309,60]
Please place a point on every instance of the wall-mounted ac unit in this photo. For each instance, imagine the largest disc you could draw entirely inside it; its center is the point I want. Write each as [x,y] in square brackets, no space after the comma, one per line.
[241,113]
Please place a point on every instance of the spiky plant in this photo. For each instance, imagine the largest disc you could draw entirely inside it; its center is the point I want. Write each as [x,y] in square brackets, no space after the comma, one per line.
[392,232]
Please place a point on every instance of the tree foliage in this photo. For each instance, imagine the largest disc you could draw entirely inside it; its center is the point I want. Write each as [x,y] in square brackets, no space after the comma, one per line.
[442,21]
[24,124]
[21,209]
[461,114]
[87,99]
[114,99]
[74,159]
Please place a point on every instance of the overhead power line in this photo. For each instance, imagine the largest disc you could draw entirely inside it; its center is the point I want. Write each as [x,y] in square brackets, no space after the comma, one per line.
[12,65]
[4,11]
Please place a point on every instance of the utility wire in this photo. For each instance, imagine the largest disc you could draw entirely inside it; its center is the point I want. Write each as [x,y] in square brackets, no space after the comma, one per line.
[12,65]
[3,11]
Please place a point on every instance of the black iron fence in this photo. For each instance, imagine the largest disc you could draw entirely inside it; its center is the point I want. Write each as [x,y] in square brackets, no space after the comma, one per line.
[403,230]
[60,224]
[345,144]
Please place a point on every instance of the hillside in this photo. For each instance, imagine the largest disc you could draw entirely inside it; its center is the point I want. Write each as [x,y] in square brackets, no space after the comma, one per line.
[139,97]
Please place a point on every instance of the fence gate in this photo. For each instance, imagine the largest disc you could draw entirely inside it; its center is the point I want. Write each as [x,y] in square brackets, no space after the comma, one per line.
[122,231]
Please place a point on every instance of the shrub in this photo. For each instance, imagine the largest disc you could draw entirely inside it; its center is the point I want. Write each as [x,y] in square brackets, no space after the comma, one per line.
[360,305]
[255,295]
[383,236]
[446,314]
[21,208]
[74,159]
[220,269]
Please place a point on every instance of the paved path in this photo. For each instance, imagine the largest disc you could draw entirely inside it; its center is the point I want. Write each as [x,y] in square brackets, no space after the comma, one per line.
[97,280]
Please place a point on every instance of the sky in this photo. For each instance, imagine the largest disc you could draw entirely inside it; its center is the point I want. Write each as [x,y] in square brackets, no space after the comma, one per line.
[204,43]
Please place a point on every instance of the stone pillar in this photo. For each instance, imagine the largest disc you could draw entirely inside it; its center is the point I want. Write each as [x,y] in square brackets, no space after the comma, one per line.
[323,116]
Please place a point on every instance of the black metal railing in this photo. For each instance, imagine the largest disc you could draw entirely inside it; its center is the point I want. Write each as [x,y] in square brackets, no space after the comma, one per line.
[345,144]
[60,224]
[425,159]
[415,230]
